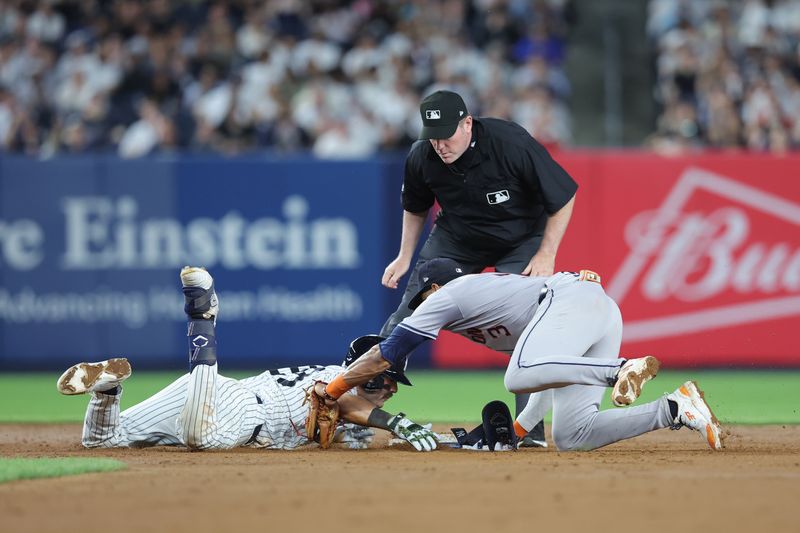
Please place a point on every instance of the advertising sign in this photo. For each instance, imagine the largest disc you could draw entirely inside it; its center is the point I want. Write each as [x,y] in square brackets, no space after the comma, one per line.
[702,255]
[90,251]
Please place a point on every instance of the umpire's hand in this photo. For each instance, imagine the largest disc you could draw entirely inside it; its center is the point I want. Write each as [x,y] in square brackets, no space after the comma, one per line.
[542,264]
[394,271]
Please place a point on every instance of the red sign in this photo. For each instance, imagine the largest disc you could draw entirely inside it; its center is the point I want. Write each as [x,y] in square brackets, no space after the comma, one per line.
[702,254]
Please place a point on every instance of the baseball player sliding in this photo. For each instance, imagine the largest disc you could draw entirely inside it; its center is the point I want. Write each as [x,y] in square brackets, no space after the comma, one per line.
[563,334]
[204,410]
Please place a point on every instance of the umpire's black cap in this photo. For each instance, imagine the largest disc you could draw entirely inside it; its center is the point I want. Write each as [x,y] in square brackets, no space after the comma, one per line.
[441,112]
[439,271]
[361,345]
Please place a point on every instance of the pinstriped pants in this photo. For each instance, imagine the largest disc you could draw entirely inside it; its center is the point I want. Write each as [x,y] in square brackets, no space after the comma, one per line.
[201,410]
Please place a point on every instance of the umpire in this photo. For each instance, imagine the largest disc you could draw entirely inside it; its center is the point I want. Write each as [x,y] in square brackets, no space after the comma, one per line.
[504,201]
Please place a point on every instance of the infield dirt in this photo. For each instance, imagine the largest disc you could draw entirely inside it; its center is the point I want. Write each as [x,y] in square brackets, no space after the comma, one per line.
[664,481]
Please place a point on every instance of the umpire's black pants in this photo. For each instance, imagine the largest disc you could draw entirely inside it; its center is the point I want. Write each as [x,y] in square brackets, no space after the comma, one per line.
[474,259]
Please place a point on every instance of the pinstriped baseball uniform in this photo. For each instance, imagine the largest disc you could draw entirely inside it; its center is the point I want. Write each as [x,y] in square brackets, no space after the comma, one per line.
[205,410]
[567,346]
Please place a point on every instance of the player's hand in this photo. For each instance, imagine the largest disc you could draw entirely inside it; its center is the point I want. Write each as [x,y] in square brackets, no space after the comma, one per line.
[319,391]
[420,437]
[394,271]
[323,415]
[356,437]
[542,264]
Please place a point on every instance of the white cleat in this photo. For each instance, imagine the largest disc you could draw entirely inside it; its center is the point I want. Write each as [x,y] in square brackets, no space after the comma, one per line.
[199,295]
[694,413]
[196,277]
[94,377]
[632,376]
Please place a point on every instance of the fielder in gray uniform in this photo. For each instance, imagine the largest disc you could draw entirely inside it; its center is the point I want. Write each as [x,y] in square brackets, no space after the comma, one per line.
[563,334]
[203,410]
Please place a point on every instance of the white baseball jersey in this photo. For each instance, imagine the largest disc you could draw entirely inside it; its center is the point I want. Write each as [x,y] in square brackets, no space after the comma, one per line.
[207,411]
[283,391]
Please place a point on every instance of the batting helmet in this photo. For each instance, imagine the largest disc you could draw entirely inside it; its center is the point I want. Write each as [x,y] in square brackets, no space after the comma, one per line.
[361,345]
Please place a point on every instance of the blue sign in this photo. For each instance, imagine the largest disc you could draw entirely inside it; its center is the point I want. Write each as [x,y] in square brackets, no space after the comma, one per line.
[91,248]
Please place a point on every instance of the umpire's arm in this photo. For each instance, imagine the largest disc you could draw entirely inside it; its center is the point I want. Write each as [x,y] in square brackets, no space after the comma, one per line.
[543,262]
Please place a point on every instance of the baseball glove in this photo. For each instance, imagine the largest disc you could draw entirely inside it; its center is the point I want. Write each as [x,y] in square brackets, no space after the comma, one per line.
[322,417]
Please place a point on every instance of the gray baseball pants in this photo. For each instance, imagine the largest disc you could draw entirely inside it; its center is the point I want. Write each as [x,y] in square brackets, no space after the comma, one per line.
[571,350]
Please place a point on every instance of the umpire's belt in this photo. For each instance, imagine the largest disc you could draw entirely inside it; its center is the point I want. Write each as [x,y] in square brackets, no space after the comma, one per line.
[257,430]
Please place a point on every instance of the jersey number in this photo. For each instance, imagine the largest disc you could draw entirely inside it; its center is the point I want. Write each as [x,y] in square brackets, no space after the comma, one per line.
[478,335]
[292,375]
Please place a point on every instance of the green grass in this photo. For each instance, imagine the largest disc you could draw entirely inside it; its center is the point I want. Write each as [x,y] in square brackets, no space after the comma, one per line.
[741,397]
[32,397]
[13,468]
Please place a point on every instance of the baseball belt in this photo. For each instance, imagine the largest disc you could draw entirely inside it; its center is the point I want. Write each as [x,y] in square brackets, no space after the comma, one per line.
[543,294]
[583,275]
[588,275]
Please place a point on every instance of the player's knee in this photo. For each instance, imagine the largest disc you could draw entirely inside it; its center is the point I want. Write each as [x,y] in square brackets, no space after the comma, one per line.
[568,439]
[519,382]
[196,442]
[89,442]
[511,381]
[565,437]
[563,445]
[197,445]
[564,440]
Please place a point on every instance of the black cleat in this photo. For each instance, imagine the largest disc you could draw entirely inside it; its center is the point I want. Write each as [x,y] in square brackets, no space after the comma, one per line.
[534,438]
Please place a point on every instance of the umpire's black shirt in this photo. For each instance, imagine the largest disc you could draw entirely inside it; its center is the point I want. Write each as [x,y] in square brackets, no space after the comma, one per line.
[497,194]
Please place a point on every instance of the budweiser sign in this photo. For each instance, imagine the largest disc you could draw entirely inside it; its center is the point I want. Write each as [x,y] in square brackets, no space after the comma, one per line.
[716,253]
[701,252]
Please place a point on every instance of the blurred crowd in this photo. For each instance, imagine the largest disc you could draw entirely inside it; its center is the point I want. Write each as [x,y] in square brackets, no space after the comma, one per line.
[728,74]
[342,79]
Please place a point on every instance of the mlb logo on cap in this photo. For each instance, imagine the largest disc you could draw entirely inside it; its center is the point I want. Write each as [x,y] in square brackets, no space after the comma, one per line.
[441,112]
